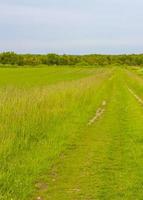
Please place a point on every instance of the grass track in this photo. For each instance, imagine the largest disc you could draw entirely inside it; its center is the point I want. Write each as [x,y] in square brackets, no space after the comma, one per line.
[37,124]
[47,149]
[106,161]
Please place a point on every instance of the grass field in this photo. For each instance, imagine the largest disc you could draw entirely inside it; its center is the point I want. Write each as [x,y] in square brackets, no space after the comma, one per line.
[71,133]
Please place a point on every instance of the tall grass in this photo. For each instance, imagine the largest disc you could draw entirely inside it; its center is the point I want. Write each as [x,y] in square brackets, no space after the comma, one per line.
[36,125]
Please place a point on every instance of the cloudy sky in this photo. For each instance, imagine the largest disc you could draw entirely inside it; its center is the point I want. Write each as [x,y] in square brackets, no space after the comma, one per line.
[74,27]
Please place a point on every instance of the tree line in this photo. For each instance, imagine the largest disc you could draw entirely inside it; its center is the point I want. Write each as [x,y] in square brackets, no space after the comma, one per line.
[12,58]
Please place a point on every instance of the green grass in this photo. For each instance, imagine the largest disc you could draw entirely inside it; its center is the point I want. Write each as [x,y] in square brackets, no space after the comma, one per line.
[41,76]
[38,123]
[106,162]
[47,149]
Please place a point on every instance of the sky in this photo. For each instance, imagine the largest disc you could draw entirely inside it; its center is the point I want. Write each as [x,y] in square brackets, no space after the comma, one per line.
[71,26]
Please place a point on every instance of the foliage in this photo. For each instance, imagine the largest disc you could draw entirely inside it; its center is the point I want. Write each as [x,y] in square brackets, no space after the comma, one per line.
[54,59]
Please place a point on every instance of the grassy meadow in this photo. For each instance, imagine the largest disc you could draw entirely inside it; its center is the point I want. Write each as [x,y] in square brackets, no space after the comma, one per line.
[48,150]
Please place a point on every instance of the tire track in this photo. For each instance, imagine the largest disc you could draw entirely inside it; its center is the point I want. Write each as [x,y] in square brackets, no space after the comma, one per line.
[135,95]
[98,114]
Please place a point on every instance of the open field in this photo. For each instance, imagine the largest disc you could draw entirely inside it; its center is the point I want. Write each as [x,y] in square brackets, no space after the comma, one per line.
[71,133]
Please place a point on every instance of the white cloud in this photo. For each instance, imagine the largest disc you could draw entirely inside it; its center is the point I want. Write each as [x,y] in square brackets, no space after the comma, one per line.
[96,24]
[50,15]
[67,46]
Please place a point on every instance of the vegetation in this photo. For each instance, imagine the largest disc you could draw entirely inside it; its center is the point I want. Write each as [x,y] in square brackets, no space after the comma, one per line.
[39,119]
[48,150]
[81,60]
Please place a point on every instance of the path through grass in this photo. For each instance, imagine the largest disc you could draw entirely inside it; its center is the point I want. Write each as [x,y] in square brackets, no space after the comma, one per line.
[106,160]
[38,123]
[48,148]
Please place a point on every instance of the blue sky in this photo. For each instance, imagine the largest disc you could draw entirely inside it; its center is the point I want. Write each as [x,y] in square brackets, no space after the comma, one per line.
[74,27]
